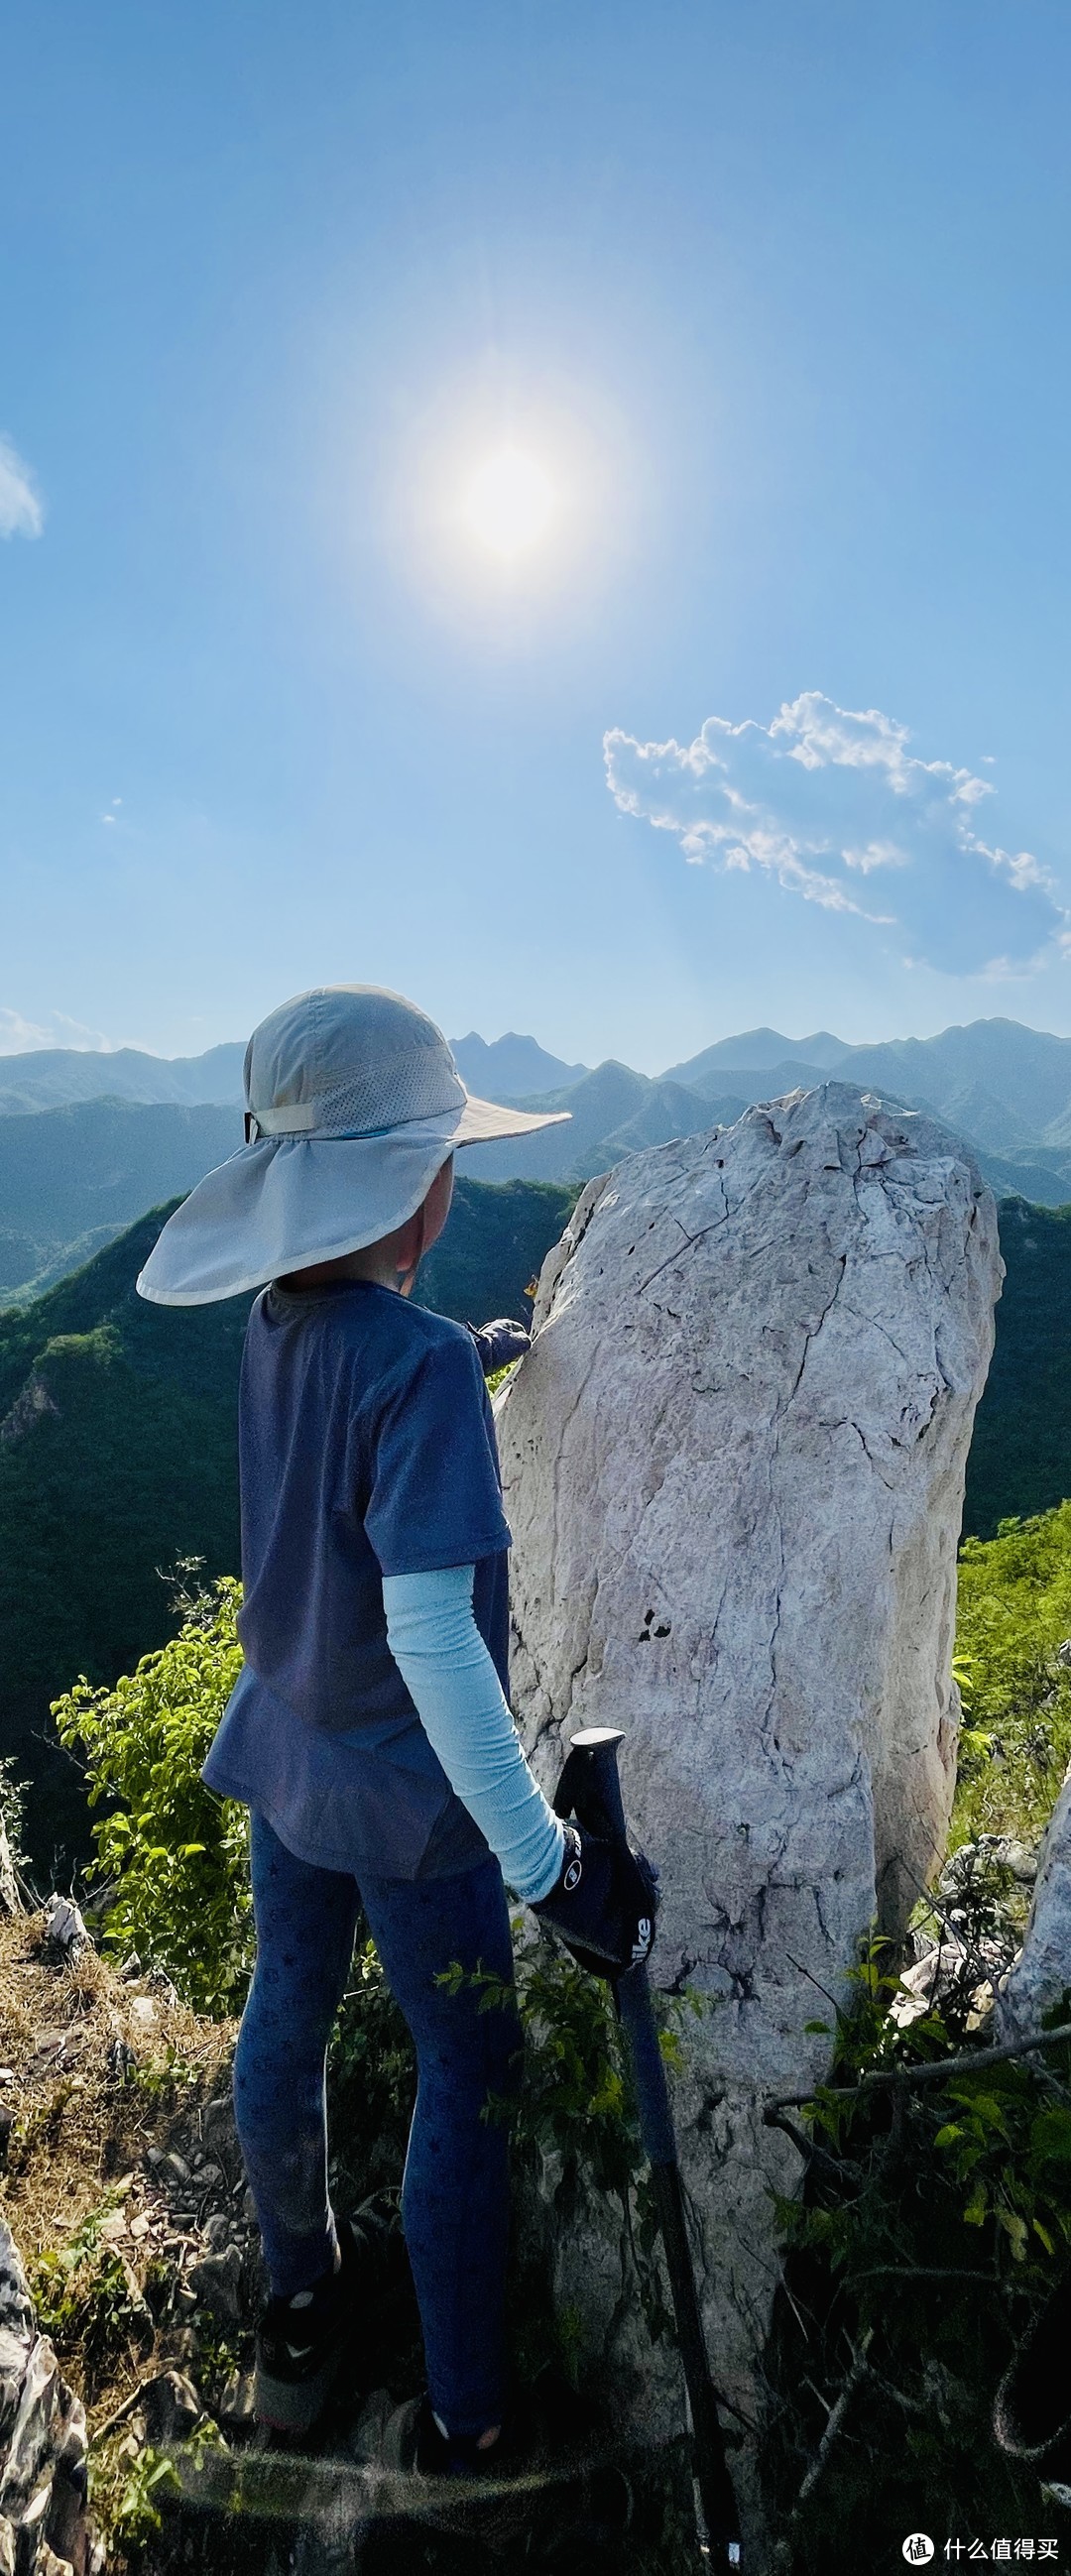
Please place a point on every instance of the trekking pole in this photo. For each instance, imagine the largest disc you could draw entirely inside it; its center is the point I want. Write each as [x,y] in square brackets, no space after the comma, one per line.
[590,1790]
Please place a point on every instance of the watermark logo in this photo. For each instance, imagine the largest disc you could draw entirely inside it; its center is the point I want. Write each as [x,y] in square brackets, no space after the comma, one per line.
[918,2549]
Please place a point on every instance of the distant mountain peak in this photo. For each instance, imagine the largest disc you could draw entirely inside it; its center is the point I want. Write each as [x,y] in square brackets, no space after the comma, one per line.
[755,1050]
[510,1067]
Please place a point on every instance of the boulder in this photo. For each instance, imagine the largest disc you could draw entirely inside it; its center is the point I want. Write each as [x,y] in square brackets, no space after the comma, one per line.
[733,1464]
[1041,1975]
[217,2281]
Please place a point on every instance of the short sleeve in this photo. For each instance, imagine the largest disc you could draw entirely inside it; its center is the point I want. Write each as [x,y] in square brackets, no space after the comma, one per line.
[435,1494]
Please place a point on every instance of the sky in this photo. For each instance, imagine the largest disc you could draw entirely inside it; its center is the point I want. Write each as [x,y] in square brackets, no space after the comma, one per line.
[765,721]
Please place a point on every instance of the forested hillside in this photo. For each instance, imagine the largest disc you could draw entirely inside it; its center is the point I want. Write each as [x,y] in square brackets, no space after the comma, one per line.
[1020,1461]
[72,1178]
[117,1457]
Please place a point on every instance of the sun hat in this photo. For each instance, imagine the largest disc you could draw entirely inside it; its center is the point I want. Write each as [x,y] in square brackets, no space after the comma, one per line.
[353,1102]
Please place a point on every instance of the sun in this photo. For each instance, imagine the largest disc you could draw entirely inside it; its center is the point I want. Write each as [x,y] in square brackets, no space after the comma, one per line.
[509,502]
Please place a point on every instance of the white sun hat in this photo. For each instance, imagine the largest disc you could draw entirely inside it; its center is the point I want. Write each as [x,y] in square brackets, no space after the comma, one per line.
[353,1102]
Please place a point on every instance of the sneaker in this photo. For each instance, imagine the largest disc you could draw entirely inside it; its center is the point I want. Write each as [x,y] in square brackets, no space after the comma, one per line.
[527,2481]
[413,2445]
[302,2342]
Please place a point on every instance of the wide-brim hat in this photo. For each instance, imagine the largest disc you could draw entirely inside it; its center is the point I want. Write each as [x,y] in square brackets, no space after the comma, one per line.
[353,1102]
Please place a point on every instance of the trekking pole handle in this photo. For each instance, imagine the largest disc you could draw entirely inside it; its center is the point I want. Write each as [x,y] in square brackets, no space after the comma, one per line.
[589,1788]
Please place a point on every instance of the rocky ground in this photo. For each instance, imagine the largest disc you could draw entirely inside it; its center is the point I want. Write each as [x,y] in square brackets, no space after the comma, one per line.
[122,2191]
[130,2277]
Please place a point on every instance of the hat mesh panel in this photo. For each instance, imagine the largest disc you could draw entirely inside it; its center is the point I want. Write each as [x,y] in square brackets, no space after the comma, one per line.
[410,1086]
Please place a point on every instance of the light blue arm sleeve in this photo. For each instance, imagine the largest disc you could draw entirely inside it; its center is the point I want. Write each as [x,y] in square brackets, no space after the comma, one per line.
[455,1689]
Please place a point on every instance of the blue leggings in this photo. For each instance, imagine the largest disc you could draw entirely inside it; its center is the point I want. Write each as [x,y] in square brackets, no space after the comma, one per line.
[455,2195]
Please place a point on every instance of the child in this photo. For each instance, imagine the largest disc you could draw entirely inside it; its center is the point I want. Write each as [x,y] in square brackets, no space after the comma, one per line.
[369,1733]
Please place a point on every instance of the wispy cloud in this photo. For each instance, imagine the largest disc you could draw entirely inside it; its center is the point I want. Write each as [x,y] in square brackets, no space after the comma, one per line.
[833,806]
[21,510]
[19,1036]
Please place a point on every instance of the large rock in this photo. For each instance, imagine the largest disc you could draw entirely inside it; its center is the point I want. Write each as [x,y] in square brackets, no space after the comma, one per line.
[1041,1976]
[734,1473]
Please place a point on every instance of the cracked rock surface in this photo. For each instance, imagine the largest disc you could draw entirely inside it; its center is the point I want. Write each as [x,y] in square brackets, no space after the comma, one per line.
[44,2527]
[734,1467]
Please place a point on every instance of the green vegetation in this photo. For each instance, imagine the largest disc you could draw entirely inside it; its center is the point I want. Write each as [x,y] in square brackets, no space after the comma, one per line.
[1020,1460]
[176,1855]
[86,2299]
[1014,1641]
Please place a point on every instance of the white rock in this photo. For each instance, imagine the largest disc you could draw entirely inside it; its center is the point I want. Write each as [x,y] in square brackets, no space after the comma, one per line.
[1042,1972]
[10,1900]
[31,2441]
[16,2313]
[733,1464]
[64,1928]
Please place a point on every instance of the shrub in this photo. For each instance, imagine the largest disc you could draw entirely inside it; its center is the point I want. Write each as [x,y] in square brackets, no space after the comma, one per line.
[175,1854]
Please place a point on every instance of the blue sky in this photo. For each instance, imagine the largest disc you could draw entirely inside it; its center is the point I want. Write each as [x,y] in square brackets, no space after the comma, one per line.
[777,298]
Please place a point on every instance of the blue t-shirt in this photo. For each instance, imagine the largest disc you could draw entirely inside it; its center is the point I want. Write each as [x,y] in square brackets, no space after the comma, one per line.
[366,1447]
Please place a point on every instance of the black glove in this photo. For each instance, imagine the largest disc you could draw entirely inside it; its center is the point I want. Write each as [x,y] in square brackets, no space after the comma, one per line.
[604,1903]
[499,1343]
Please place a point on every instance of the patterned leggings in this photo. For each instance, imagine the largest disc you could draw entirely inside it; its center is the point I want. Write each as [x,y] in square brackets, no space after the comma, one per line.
[455,2197]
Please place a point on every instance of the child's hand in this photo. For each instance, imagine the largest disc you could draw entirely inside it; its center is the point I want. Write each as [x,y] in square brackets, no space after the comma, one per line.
[499,1343]
[604,1904]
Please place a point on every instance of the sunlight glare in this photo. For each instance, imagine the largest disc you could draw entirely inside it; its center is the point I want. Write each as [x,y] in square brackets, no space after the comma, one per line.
[509,502]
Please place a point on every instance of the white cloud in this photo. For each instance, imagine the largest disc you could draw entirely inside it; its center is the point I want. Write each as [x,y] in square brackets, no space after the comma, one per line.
[21,510]
[835,808]
[19,1036]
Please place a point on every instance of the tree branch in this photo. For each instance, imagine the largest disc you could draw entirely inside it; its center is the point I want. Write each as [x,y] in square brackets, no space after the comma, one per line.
[837,2414]
[928,2070]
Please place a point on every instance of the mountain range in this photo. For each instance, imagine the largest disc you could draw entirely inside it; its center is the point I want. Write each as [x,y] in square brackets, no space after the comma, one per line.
[87,1141]
[52,1077]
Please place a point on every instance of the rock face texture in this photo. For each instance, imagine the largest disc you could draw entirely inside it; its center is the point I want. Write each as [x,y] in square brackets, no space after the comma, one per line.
[44,2530]
[1041,1975]
[734,1474]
